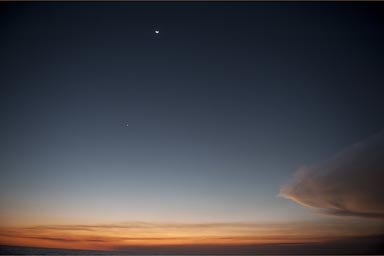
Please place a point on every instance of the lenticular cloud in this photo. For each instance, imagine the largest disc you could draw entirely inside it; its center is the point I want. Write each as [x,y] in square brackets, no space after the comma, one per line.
[350,184]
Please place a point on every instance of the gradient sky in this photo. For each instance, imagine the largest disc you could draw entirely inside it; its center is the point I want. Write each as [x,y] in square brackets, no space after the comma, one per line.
[222,106]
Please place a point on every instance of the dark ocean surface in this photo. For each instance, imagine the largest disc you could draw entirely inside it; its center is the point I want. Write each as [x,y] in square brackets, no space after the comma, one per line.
[375,247]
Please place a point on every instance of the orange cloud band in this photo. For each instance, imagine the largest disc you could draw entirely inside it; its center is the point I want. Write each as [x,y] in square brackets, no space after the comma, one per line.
[139,234]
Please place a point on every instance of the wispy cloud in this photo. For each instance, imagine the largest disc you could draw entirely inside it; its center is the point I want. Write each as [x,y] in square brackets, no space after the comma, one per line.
[142,234]
[350,184]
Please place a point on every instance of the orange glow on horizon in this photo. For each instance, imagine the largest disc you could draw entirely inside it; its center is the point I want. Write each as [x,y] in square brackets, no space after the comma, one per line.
[137,234]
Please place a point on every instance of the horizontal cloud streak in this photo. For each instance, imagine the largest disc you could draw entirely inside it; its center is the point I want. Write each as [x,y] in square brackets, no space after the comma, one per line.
[142,234]
[366,245]
[350,184]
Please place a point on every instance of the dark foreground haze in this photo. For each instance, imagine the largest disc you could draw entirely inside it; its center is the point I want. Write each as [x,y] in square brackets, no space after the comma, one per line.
[357,246]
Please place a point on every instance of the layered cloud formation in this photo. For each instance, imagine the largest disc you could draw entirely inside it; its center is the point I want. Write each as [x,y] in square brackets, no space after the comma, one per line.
[350,184]
[184,238]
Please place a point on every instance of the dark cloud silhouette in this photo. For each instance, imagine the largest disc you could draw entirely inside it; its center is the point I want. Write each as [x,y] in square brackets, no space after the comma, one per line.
[350,184]
[363,245]
[355,245]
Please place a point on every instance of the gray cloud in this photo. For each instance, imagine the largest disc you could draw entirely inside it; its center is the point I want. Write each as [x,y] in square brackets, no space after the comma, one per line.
[349,184]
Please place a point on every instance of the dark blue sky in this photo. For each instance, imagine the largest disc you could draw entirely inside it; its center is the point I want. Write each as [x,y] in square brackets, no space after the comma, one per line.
[223,106]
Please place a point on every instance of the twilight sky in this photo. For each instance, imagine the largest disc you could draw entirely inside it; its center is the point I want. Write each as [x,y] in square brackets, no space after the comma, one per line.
[232,109]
